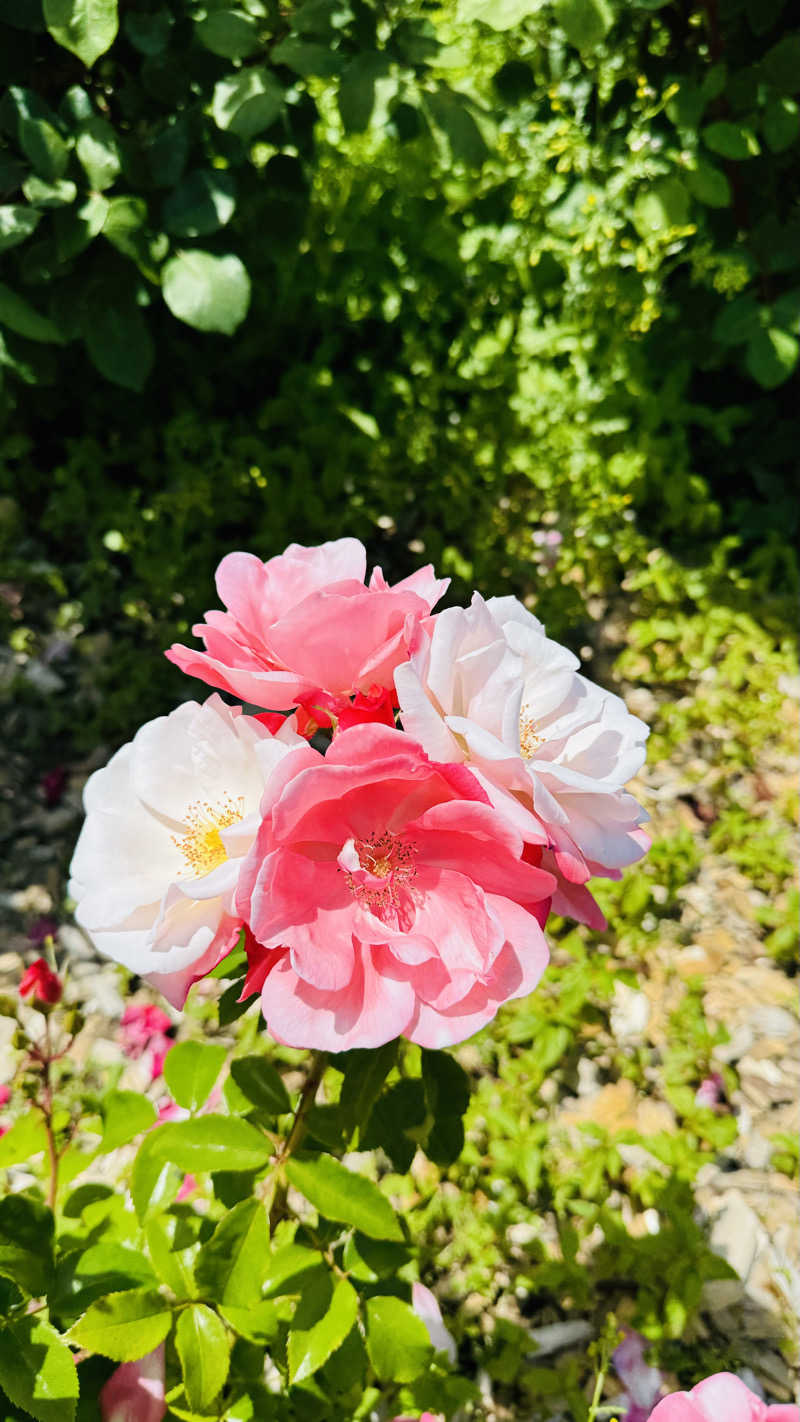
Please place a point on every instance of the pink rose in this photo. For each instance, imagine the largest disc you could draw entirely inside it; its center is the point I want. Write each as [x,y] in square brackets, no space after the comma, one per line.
[388,898]
[641,1381]
[135,1391]
[302,628]
[721,1398]
[139,1024]
[552,750]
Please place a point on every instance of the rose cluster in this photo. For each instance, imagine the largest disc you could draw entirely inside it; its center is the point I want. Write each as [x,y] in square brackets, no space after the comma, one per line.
[396,881]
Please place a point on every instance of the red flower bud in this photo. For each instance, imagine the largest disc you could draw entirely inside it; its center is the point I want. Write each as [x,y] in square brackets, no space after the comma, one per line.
[40,980]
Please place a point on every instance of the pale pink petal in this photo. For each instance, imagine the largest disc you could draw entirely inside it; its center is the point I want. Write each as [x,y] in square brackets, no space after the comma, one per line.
[135,1392]
[373,1008]
[427,1309]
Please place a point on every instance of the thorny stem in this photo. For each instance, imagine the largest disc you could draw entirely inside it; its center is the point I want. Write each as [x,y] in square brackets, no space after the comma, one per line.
[46,1107]
[297,1131]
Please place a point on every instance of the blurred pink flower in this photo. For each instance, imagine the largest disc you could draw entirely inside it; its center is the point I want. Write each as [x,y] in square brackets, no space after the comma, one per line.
[711,1091]
[52,785]
[427,1309]
[188,1186]
[139,1024]
[135,1391]
[40,980]
[721,1398]
[302,628]
[642,1382]
[41,929]
[5,1095]
[388,898]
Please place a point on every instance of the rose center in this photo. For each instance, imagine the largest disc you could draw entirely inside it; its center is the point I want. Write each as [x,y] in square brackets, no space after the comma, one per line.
[385,857]
[529,738]
[201,846]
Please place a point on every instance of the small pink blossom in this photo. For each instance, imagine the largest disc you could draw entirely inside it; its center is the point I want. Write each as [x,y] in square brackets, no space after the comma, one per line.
[721,1398]
[303,630]
[188,1187]
[40,980]
[135,1392]
[387,897]
[5,1095]
[423,1417]
[139,1024]
[711,1091]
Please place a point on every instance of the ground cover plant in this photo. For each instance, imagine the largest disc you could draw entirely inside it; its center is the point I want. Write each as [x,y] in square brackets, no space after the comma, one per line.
[510,288]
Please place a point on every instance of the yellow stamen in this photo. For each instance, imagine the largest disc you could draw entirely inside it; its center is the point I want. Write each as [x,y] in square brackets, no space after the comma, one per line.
[529,738]
[202,846]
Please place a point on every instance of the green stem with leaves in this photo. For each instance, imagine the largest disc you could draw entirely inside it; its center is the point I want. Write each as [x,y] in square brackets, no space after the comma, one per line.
[319,1062]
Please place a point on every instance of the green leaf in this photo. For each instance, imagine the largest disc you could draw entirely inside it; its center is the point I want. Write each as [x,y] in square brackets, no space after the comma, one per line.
[85,27]
[781,124]
[37,1370]
[450,114]
[16,223]
[447,1090]
[154,1181]
[731,140]
[247,103]
[42,143]
[762,14]
[40,194]
[229,1008]
[261,1083]
[365,1071]
[20,316]
[123,1326]
[584,22]
[306,59]
[399,1122]
[203,202]
[786,311]
[124,225]
[356,95]
[229,33]
[737,321]
[500,14]
[319,1326]
[190,1070]
[781,64]
[26,1138]
[397,1341]
[514,81]
[260,1321]
[287,1266]
[121,348]
[77,228]
[208,292]
[26,1243]
[98,151]
[125,1113]
[149,33]
[661,207]
[172,1263]
[338,1194]
[232,1265]
[771,357]
[201,1339]
[369,1260]
[709,184]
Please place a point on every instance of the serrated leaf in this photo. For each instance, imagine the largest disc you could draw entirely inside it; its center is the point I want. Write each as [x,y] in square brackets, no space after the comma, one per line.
[98,152]
[260,1321]
[190,1070]
[365,1071]
[229,33]
[339,1194]
[208,292]
[201,1339]
[397,1341]
[123,1326]
[172,1265]
[37,1370]
[286,1268]
[16,223]
[447,1090]
[261,1083]
[26,1243]
[771,357]
[125,1113]
[320,1325]
[247,102]
[20,316]
[85,27]
[232,1264]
